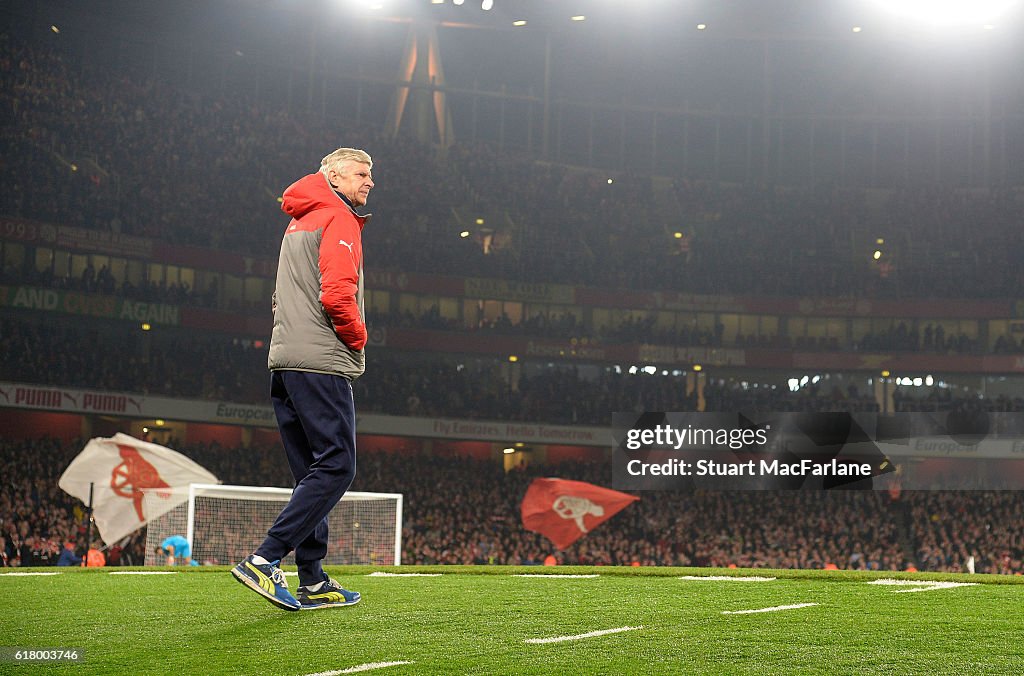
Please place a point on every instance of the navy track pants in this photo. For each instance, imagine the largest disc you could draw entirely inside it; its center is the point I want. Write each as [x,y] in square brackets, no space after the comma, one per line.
[317,419]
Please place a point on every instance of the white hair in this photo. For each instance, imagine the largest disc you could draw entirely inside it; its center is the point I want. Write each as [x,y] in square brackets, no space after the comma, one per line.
[342,155]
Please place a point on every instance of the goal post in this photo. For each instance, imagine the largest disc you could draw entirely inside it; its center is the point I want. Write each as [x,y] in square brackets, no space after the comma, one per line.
[224,524]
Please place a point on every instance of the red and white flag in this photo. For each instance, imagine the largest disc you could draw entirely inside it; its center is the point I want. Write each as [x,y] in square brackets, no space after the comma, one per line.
[563,511]
[133,482]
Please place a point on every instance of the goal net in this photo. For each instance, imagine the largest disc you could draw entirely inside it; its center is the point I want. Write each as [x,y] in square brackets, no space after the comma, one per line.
[224,524]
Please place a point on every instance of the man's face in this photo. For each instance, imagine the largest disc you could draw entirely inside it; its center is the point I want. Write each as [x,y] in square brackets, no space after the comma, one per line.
[353,180]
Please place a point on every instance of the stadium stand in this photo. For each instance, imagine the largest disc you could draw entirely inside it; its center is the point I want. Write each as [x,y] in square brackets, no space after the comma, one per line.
[80,151]
[479,523]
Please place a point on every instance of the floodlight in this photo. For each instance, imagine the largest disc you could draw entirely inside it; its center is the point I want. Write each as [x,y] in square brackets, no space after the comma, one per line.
[949,12]
[486,5]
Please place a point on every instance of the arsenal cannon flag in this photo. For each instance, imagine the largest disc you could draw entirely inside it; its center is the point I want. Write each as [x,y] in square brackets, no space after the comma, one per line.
[133,482]
[564,511]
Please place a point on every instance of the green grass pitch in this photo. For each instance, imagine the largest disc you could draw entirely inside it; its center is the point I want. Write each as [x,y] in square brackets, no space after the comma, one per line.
[477,620]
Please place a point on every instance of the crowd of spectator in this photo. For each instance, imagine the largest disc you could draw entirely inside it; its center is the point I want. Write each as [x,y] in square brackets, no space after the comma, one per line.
[177,364]
[931,338]
[38,520]
[948,530]
[479,522]
[189,365]
[106,283]
[642,328]
[98,149]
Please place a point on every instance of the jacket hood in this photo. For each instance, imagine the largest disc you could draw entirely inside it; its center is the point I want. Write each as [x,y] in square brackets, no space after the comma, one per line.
[309,193]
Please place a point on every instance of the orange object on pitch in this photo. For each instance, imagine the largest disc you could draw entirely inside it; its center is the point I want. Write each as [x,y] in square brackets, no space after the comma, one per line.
[95,559]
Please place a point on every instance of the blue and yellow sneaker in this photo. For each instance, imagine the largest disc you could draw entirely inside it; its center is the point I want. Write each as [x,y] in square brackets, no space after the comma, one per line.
[268,581]
[329,595]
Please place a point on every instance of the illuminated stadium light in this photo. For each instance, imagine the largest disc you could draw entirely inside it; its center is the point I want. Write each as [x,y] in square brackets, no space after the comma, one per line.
[949,12]
[146,327]
[677,235]
[702,26]
[794,384]
[519,22]
[578,17]
[464,234]
[885,374]
[877,254]
[929,381]
[880,241]
[436,2]
[458,3]
[857,29]
[159,422]
[698,367]
[55,29]
[513,358]
[610,181]
[479,221]
[650,370]
[486,5]
[508,451]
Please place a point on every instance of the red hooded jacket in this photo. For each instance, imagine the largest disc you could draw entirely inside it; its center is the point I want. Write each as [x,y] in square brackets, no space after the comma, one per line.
[318,299]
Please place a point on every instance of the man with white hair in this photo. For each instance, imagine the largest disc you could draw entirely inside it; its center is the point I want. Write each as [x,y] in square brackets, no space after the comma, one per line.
[316,351]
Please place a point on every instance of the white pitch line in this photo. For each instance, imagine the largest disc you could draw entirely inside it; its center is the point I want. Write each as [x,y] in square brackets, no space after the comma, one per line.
[921,585]
[565,577]
[362,667]
[144,572]
[726,578]
[24,574]
[768,610]
[577,637]
[383,574]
